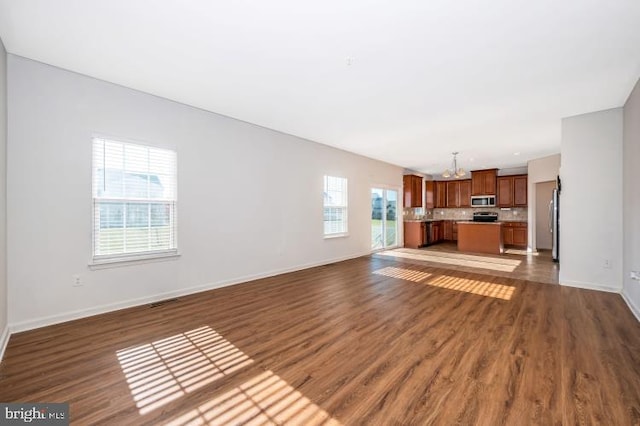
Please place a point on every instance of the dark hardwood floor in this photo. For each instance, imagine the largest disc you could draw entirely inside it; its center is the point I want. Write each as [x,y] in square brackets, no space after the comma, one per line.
[370,341]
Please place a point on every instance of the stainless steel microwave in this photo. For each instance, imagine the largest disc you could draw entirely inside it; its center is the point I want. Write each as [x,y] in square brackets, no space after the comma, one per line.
[483,201]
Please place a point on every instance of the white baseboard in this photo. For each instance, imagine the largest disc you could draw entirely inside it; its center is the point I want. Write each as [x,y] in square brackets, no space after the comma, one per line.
[632,306]
[4,341]
[83,313]
[591,286]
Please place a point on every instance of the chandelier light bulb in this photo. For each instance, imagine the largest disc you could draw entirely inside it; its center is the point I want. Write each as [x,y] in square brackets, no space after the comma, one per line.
[457,172]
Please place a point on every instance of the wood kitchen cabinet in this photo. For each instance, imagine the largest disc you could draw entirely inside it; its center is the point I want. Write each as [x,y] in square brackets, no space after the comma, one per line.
[459,193]
[412,186]
[520,184]
[453,193]
[440,194]
[505,191]
[437,231]
[465,193]
[429,194]
[520,236]
[512,191]
[414,233]
[507,235]
[483,182]
[450,230]
[514,234]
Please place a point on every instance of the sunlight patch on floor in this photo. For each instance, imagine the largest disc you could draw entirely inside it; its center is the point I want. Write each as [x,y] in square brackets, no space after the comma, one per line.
[162,371]
[473,261]
[496,258]
[403,274]
[482,288]
[520,252]
[265,399]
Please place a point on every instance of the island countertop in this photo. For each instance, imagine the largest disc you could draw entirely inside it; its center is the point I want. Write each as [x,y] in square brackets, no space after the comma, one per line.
[470,222]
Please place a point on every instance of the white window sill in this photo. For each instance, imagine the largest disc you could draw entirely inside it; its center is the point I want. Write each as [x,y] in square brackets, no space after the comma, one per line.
[116,262]
[332,236]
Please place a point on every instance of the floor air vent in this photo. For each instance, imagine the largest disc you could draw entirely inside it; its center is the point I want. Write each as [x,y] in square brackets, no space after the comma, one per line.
[162,302]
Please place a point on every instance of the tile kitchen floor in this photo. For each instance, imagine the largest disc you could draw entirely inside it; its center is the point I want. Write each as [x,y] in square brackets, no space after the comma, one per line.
[537,267]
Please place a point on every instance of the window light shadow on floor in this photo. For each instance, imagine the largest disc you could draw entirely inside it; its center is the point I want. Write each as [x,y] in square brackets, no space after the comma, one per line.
[458,259]
[265,399]
[165,370]
[403,274]
[481,288]
[162,371]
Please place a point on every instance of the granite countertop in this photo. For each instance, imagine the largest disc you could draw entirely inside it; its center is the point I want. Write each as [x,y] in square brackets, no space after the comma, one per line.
[470,222]
[425,220]
[463,220]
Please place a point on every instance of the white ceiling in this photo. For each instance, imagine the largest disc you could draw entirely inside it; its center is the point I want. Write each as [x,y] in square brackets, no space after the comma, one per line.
[486,78]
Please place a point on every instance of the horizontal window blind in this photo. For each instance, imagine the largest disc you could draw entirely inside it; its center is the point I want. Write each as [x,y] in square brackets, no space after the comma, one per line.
[134,199]
[335,205]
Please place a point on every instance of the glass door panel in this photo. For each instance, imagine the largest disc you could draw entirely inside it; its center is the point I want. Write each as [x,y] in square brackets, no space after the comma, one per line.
[377,231]
[390,223]
[384,214]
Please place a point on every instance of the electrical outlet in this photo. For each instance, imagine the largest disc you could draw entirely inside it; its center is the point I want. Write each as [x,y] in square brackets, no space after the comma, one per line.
[77,282]
[607,264]
[634,275]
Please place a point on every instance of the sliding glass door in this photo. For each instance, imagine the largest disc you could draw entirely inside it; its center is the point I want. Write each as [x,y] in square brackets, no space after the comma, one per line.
[384,213]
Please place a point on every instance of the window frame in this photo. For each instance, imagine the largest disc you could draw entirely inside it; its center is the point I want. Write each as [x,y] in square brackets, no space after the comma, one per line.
[345,207]
[98,261]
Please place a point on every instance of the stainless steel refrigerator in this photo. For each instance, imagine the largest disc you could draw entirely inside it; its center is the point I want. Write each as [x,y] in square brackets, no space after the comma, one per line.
[554,222]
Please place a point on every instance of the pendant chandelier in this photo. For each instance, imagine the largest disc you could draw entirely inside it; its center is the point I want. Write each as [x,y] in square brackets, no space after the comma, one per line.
[455,172]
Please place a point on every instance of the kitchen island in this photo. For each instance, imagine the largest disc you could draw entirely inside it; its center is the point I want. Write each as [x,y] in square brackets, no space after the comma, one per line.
[480,237]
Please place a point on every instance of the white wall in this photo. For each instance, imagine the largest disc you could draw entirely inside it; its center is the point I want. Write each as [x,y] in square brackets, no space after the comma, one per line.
[4,304]
[544,194]
[631,194]
[591,200]
[539,170]
[250,199]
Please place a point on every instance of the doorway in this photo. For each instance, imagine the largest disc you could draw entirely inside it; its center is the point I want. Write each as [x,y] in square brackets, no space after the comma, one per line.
[384,214]
[544,193]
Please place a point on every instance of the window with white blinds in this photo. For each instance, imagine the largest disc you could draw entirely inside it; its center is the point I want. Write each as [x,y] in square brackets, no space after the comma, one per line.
[335,206]
[134,200]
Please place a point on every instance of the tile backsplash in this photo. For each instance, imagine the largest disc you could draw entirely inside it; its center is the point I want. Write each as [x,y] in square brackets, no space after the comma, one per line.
[511,214]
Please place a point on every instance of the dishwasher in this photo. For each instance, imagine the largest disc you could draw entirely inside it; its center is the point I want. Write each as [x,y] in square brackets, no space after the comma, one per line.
[427,233]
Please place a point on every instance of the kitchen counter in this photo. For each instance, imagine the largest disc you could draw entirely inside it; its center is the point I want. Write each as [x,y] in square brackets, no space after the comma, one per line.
[463,220]
[426,220]
[480,237]
[471,222]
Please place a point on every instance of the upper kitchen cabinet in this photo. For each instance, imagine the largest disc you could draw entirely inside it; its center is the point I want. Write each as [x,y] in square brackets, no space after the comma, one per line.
[440,194]
[483,182]
[453,193]
[429,194]
[505,191]
[512,191]
[435,194]
[520,184]
[412,190]
[465,193]
[459,193]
